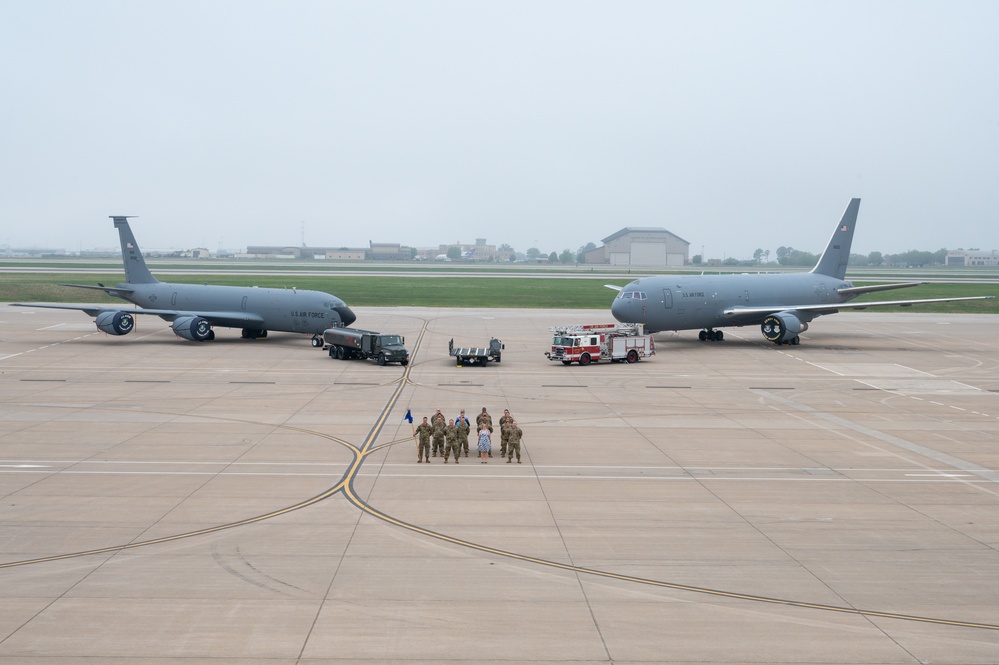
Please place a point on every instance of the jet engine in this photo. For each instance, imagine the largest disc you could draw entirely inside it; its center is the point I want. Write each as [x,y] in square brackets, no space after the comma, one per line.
[783,328]
[115,323]
[193,328]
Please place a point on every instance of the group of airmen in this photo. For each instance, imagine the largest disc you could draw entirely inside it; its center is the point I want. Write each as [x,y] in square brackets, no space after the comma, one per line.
[436,436]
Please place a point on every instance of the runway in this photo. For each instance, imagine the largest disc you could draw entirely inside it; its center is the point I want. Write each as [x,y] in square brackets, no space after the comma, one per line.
[732,502]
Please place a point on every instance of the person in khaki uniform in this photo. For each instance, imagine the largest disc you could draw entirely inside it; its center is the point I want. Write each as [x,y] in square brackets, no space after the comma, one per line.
[452,445]
[423,431]
[463,430]
[515,435]
[439,428]
[505,422]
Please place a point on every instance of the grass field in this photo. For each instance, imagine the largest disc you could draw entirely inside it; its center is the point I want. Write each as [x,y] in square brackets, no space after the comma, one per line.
[389,291]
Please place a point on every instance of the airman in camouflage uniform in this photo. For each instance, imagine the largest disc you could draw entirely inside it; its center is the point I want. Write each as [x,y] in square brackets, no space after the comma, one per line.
[505,422]
[423,431]
[452,445]
[515,434]
[463,429]
[438,430]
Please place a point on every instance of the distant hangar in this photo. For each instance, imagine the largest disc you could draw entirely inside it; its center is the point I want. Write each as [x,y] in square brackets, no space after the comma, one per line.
[642,246]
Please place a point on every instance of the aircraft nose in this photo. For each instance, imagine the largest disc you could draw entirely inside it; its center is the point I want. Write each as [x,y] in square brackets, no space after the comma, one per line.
[346,315]
[631,309]
[616,309]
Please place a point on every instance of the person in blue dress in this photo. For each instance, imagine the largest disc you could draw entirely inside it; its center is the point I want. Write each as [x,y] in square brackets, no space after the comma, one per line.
[485,444]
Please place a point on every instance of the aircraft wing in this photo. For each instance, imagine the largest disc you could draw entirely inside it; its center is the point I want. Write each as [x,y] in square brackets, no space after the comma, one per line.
[225,319]
[831,308]
[856,290]
[90,310]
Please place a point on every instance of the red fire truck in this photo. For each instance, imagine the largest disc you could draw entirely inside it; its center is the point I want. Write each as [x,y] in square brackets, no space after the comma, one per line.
[600,341]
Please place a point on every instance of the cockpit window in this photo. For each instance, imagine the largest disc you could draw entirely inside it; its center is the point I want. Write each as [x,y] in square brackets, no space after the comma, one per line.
[632,295]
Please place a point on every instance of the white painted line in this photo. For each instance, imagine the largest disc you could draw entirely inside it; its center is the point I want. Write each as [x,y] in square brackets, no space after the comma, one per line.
[937,475]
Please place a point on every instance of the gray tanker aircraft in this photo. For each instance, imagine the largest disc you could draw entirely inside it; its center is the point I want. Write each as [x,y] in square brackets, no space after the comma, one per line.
[195,308]
[781,304]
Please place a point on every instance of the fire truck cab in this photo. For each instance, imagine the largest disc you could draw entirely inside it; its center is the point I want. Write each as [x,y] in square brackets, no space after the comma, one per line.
[600,341]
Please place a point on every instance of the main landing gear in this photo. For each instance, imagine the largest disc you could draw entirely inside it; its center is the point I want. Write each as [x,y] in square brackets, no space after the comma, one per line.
[317,342]
[711,335]
[254,333]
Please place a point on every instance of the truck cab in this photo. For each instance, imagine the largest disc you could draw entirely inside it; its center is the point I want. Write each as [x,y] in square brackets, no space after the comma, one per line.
[386,349]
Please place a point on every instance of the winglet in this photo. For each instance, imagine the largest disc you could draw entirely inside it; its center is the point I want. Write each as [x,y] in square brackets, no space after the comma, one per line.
[837,253]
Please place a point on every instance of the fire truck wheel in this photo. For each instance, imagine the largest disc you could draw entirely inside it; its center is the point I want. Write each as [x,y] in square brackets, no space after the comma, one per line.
[584,359]
[566,362]
[633,356]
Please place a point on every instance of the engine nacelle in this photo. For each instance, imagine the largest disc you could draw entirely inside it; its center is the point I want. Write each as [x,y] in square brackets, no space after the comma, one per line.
[115,323]
[193,328]
[783,328]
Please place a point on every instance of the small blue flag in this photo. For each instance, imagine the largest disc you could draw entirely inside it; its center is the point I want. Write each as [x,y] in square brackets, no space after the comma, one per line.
[408,416]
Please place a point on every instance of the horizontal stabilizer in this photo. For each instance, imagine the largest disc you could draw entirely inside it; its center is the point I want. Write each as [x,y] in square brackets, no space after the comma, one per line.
[110,290]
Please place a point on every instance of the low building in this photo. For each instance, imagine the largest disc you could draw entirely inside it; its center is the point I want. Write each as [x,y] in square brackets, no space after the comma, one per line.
[388,251]
[344,254]
[642,246]
[973,257]
[480,251]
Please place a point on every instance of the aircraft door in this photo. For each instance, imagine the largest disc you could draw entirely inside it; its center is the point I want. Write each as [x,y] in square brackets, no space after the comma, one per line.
[667,299]
[243,304]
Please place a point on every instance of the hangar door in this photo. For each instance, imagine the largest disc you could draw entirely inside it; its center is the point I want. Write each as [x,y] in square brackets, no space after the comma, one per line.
[648,253]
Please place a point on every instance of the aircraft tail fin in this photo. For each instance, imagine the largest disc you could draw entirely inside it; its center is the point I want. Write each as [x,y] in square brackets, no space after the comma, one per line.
[136,271]
[837,253]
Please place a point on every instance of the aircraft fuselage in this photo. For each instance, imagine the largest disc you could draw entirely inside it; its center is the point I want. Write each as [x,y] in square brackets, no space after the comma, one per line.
[285,310]
[690,302]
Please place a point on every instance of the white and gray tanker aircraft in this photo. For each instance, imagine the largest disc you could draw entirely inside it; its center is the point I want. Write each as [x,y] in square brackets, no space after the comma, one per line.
[781,304]
[192,309]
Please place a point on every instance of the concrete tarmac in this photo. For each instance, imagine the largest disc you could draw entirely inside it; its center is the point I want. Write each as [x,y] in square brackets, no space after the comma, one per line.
[239,501]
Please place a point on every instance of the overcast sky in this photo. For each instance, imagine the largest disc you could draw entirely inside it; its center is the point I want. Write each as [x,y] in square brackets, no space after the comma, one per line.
[735,125]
